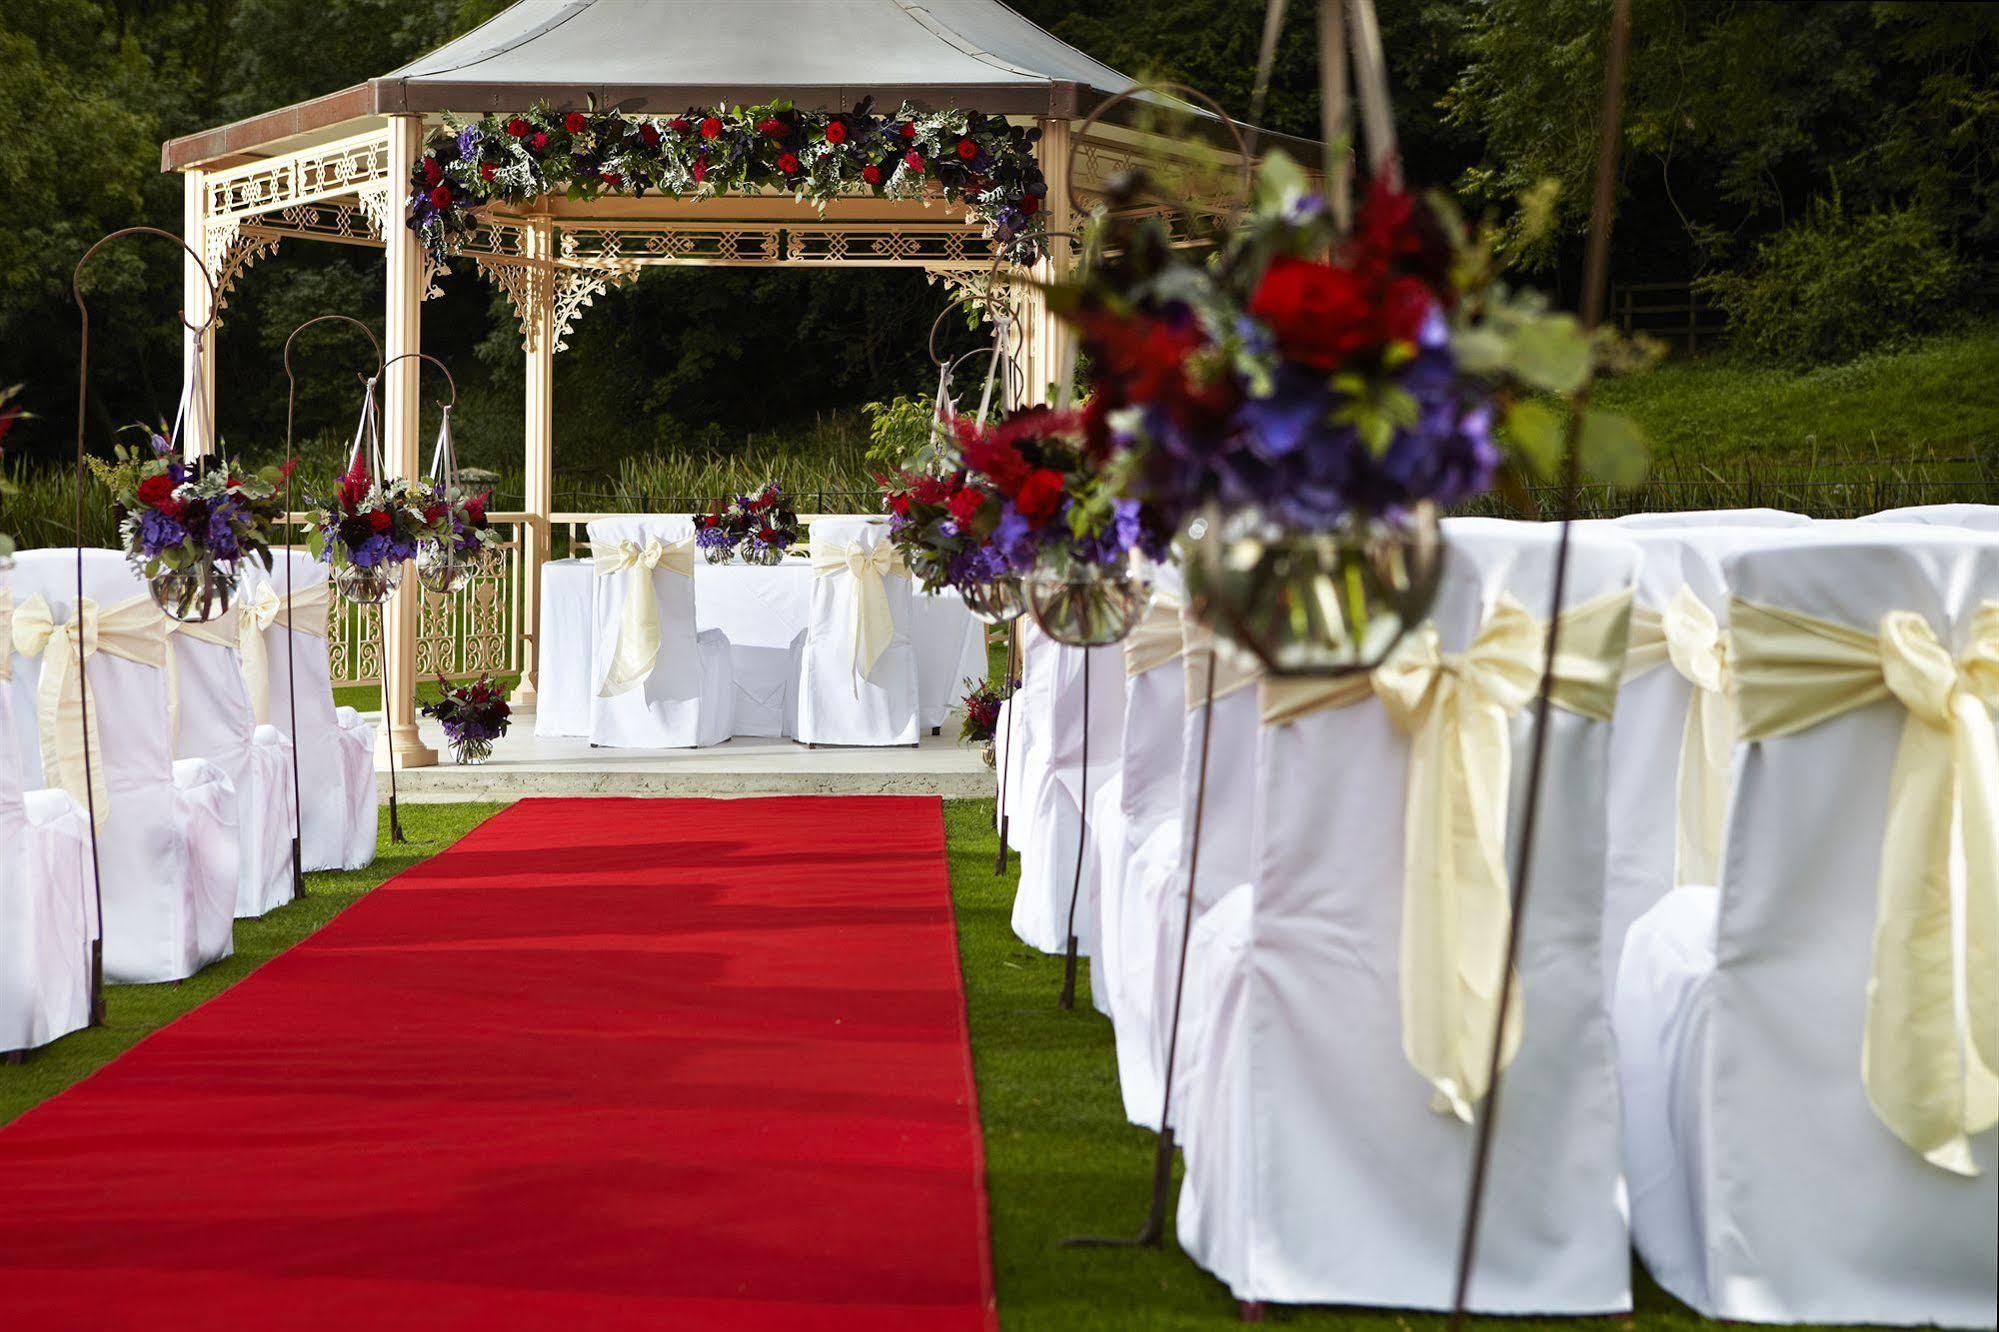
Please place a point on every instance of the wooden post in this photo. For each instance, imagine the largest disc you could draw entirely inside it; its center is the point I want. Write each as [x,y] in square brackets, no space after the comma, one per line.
[403,332]
[1048,338]
[194,298]
[536,537]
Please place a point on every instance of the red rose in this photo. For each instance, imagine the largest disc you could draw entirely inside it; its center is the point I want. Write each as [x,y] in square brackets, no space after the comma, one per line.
[1030,205]
[486,170]
[679,124]
[913,160]
[611,178]
[518,128]
[380,520]
[649,134]
[700,169]
[908,129]
[1040,496]
[155,489]
[787,163]
[539,141]
[836,131]
[711,128]
[872,174]
[432,172]
[966,503]
[575,122]
[967,149]
[441,196]
[1320,315]
[771,126]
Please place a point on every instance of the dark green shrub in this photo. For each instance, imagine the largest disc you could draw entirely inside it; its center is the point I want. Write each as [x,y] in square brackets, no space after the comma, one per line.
[1833,285]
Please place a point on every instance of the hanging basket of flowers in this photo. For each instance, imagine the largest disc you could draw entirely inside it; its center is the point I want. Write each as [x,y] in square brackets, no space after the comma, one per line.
[366,526]
[457,538]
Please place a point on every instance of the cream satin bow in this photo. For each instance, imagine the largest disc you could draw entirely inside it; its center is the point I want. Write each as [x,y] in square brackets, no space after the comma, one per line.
[874,622]
[1154,640]
[1688,635]
[261,610]
[638,623]
[1457,708]
[1234,670]
[1930,1050]
[6,639]
[134,630]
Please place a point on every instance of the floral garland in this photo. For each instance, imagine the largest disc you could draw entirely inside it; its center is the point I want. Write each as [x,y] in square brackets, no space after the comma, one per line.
[984,162]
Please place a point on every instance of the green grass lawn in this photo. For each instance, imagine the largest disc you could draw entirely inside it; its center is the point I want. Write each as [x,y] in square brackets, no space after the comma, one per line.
[1061,1159]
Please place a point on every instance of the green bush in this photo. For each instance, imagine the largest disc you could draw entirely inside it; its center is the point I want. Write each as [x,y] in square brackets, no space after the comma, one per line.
[1834,285]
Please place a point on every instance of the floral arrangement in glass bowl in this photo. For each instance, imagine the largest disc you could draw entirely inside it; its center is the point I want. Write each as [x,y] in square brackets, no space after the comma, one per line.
[186,525]
[365,530]
[765,525]
[474,716]
[456,538]
[1309,398]
[982,702]
[717,532]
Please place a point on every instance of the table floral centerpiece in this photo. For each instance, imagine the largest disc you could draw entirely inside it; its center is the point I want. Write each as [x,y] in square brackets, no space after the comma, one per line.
[766,523]
[185,526]
[718,532]
[474,716]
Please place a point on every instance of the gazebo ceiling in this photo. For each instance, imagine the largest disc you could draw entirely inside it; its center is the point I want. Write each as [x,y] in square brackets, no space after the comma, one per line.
[665,55]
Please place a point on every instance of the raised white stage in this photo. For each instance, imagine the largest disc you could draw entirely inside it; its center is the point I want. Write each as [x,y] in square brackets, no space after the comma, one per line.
[524,764]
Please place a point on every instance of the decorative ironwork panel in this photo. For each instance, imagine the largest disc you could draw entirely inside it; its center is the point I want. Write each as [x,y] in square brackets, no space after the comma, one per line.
[306,176]
[910,244]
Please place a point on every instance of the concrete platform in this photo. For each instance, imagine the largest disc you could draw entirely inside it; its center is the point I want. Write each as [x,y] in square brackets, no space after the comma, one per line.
[525,765]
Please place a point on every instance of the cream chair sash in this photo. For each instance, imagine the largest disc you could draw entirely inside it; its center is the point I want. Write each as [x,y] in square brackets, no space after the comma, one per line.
[6,639]
[134,630]
[1155,640]
[638,623]
[264,608]
[1234,669]
[1688,635]
[1929,1054]
[1456,898]
[874,622]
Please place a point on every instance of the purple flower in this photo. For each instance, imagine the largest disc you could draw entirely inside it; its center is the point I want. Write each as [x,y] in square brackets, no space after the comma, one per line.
[157,532]
[468,141]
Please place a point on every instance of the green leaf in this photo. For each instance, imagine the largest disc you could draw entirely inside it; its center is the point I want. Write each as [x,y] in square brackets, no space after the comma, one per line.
[1536,431]
[1613,447]
[1480,351]
[1552,353]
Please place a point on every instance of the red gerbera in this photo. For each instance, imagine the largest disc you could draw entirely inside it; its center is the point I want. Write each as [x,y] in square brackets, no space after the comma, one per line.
[787,163]
[1040,496]
[872,174]
[518,127]
[908,129]
[679,124]
[432,172]
[575,122]
[441,196]
[649,134]
[539,141]
[711,128]
[913,160]
[836,131]
[967,149]
[771,126]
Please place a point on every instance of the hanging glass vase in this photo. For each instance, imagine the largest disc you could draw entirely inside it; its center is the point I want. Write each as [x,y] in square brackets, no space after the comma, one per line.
[1317,603]
[197,594]
[368,585]
[1086,605]
[443,569]
[996,601]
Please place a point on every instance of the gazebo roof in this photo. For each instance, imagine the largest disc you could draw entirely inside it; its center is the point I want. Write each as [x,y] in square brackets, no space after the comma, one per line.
[665,55]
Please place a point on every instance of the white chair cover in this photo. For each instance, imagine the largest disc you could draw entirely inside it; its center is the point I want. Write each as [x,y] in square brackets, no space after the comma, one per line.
[336,747]
[1053,778]
[843,697]
[563,683]
[1765,1187]
[686,697]
[1023,726]
[167,845]
[214,721]
[45,904]
[1318,1168]
[1977,517]
[950,649]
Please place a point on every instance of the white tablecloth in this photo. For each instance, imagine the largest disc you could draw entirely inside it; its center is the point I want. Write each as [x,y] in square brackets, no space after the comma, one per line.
[763,611]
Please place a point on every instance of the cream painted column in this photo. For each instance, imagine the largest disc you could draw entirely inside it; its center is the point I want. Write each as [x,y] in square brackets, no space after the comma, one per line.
[538,334]
[194,300]
[403,456]
[1048,338]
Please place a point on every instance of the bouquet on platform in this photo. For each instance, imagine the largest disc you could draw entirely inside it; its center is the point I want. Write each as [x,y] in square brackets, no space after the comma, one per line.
[765,524]
[474,716]
[185,525]
[982,710]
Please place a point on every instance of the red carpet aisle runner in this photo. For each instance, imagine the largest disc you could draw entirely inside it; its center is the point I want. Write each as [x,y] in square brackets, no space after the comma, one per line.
[605,1063]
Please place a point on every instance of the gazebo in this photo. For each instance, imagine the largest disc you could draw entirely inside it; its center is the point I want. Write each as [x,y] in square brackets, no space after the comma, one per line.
[338,169]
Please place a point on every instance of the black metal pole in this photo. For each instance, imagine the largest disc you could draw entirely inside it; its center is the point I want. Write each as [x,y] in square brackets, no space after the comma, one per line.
[1153,1232]
[1598,261]
[1007,770]
[388,732]
[1068,999]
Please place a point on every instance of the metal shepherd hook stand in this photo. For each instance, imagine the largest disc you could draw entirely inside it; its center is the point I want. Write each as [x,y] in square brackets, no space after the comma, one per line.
[97,1012]
[291,680]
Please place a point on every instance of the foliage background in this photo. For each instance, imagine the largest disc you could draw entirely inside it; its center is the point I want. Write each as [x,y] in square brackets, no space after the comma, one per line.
[1763,141]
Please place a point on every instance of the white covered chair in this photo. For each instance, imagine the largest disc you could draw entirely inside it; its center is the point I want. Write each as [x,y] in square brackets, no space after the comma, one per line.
[167,844]
[1055,782]
[1713,518]
[45,899]
[338,823]
[659,682]
[857,681]
[214,720]
[1976,517]
[567,631]
[1334,1054]
[1808,1086]
[1022,726]
[950,649]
